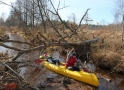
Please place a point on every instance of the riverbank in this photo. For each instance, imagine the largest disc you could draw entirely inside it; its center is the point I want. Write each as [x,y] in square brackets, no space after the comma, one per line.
[97,56]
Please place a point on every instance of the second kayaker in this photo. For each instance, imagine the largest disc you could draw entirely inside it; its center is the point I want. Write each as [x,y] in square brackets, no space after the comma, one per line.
[50,59]
[71,60]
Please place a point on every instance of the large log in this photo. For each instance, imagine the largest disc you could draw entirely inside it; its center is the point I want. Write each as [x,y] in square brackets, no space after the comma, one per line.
[52,44]
[71,44]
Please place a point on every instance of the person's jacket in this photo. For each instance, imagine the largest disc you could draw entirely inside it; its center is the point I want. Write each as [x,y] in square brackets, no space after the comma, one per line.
[71,62]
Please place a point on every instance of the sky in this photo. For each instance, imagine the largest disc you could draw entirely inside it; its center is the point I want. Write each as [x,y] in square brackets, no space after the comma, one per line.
[101,11]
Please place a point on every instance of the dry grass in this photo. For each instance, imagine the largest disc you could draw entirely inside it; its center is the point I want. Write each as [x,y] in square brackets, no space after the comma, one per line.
[107,59]
[3,30]
[108,52]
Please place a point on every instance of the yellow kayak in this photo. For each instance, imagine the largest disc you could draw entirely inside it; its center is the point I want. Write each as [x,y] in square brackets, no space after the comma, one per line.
[82,76]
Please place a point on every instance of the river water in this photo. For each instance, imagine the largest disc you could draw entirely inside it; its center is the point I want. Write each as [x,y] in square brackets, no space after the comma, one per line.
[116,83]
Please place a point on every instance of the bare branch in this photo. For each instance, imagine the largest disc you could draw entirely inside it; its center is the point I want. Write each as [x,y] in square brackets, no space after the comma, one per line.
[58,6]
[39,2]
[20,78]
[51,22]
[6,46]
[16,42]
[33,36]
[64,22]
[43,36]
[63,7]
[83,17]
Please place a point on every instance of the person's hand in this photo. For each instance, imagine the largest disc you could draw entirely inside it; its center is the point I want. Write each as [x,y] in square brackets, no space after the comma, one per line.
[66,60]
[72,49]
[65,64]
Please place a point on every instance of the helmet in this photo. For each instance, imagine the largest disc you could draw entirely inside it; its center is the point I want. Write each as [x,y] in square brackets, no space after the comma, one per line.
[74,54]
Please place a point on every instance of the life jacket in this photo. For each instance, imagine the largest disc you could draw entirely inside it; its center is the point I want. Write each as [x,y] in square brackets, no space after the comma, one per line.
[71,61]
[44,56]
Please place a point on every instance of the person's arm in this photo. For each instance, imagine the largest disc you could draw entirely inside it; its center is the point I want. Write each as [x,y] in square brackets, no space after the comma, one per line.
[70,53]
[68,56]
[48,56]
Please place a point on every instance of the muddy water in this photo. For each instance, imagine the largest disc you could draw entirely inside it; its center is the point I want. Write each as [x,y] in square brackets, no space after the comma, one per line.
[117,81]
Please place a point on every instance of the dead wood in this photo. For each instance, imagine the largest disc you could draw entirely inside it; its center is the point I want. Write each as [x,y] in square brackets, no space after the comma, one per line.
[23,83]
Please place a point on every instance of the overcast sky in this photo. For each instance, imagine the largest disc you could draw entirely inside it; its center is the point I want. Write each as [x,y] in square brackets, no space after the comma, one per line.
[101,10]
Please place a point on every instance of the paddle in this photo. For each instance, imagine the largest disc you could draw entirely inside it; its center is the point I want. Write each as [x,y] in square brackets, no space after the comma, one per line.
[84,66]
[62,63]
[38,61]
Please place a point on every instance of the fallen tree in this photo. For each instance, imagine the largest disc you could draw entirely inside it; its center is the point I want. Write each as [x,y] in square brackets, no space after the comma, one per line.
[65,34]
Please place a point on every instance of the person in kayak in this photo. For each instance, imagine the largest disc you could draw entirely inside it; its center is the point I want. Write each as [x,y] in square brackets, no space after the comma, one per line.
[50,59]
[71,61]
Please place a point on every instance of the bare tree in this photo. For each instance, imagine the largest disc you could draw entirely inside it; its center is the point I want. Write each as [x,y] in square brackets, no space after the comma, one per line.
[119,13]
[28,14]
[119,9]
[1,21]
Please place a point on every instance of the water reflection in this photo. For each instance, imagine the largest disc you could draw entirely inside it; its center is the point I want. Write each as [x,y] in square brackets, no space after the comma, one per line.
[91,67]
[16,45]
[115,84]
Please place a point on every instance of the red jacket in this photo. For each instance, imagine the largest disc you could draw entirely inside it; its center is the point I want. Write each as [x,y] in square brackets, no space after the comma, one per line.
[71,61]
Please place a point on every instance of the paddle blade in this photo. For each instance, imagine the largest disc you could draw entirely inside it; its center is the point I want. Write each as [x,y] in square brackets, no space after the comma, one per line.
[86,69]
[64,64]
[38,61]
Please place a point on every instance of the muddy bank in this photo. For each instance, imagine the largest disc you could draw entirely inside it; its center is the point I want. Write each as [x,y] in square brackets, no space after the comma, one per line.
[111,62]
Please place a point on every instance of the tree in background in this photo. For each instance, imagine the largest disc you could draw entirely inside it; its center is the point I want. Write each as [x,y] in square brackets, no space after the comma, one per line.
[27,13]
[119,15]
[119,9]
[2,21]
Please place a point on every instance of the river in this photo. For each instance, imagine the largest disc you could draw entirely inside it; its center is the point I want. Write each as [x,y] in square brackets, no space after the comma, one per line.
[116,83]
